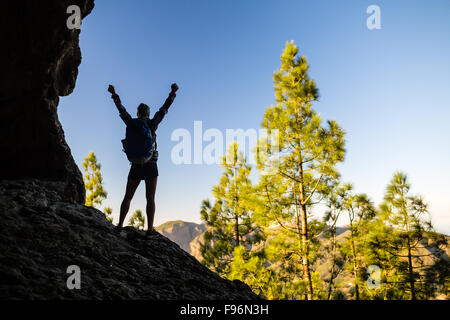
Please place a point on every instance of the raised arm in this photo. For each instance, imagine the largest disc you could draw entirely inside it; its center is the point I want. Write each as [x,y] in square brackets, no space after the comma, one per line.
[122,111]
[159,115]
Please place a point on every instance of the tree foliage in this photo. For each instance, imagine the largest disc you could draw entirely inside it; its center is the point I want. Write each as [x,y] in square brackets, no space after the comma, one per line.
[108,213]
[229,219]
[308,155]
[268,234]
[93,181]
[401,240]
[137,220]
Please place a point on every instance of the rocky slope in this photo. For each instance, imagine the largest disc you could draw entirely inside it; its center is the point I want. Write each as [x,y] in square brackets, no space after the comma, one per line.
[41,236]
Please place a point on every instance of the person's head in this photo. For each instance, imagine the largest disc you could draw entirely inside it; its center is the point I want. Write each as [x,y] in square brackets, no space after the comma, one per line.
[143,111]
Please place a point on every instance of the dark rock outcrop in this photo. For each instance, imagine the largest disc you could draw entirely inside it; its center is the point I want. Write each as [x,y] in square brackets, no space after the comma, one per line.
[39,62]
[41,236]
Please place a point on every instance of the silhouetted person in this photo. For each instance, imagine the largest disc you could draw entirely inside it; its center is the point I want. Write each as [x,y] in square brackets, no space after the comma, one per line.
[149,170]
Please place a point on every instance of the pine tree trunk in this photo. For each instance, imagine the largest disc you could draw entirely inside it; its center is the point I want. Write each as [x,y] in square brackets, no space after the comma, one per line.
[236,229]
[330,287]
[236,217]
[355,265]
[299,234]
[411,274]
[410,265]
[305,245]
[305,249]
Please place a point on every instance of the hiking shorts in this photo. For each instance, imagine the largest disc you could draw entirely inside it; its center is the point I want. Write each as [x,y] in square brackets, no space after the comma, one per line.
[143,172]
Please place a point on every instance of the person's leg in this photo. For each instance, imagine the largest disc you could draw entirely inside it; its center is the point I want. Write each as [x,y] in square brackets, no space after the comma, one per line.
[150,190]
[132,185]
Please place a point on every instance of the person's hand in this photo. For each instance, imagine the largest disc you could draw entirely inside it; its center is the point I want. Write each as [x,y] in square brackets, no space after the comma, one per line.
[174,87]
[111,89]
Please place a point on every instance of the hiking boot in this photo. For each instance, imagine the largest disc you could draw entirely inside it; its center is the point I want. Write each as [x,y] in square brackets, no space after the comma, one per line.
[150,232]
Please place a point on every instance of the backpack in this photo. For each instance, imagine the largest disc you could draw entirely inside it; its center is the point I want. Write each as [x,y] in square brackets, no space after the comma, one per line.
[138,144]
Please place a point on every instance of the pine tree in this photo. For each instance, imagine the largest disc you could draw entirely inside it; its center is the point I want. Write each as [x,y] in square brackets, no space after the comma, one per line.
[391,286]
[333,249]
[137,220]
[229,220]
[360,212]
[252,270]
[308,154]
[404,231]
[437,276]
[337,262]
[93,181]
[108,213]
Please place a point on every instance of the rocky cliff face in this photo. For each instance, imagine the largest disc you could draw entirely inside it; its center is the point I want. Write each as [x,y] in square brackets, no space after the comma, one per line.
[41,236]
[39,62]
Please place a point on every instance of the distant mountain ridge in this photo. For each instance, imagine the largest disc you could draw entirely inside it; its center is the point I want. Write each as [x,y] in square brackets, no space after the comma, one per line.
[184,234]
[188,235]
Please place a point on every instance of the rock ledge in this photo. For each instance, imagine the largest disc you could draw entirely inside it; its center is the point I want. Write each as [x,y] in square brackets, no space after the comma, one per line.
[41,235]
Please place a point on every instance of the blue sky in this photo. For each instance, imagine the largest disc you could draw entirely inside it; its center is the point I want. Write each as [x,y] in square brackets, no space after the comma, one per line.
[389,88]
